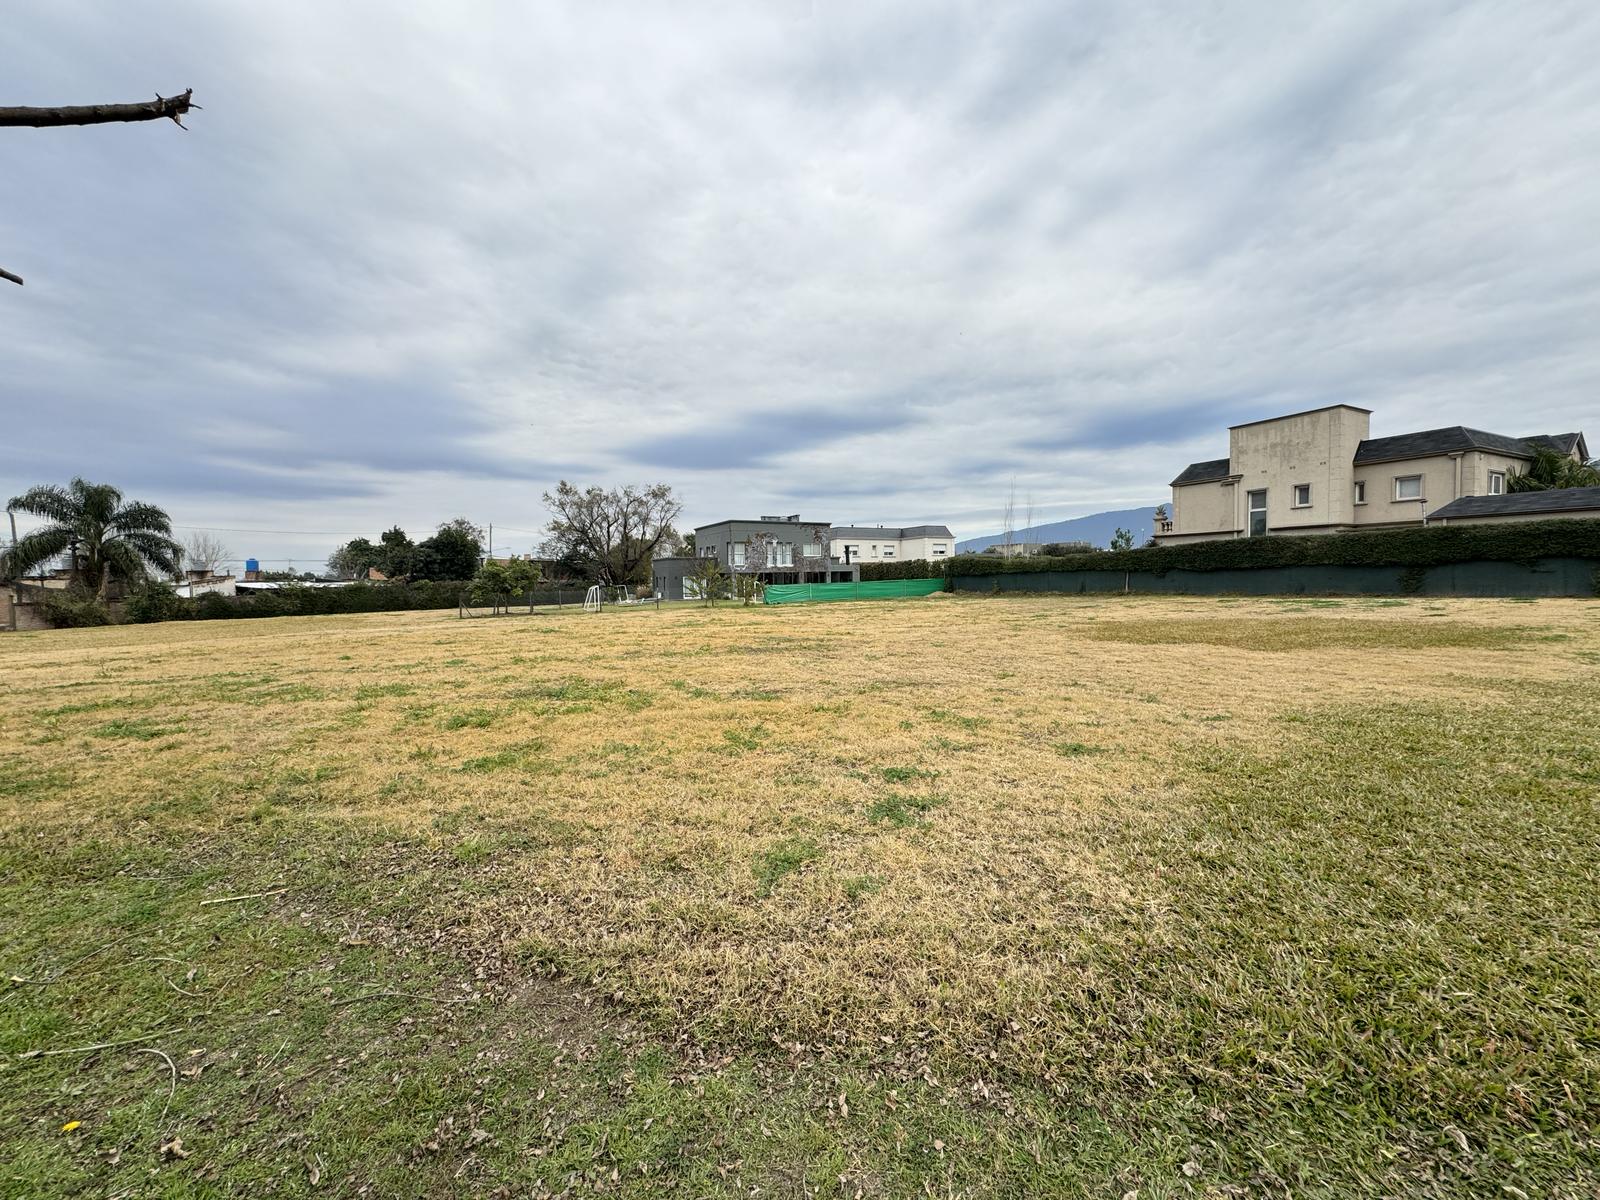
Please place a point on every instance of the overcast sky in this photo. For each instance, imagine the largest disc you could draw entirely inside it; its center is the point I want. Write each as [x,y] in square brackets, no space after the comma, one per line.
[862,261]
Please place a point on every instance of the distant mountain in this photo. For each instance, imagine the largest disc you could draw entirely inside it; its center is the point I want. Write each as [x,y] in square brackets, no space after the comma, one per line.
[1096,528]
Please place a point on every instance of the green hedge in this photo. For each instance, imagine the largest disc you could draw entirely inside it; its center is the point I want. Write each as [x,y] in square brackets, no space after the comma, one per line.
[71,608]
[293,601]
[910,568]
[1423,546]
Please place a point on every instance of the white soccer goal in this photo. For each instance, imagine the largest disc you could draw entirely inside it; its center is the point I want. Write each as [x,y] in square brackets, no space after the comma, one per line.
[593,599]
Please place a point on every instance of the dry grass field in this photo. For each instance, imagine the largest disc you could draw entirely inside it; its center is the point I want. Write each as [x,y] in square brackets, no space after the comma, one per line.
[964,896]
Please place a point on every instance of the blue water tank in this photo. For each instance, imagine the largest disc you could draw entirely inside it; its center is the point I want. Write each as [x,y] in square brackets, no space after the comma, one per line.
[251,564]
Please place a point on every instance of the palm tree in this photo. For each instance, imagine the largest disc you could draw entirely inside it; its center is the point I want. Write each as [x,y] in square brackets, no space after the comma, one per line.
[103,535]
[1552,471]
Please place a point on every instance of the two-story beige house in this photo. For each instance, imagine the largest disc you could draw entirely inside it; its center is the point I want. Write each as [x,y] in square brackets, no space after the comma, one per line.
[1320,472]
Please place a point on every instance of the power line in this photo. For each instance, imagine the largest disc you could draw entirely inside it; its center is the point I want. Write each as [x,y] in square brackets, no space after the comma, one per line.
[304,532]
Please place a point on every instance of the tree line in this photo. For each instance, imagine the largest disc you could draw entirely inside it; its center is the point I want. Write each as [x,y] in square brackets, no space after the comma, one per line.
[595,535]
[453,551]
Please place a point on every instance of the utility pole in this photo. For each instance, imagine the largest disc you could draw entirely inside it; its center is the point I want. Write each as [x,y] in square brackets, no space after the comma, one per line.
[490,553]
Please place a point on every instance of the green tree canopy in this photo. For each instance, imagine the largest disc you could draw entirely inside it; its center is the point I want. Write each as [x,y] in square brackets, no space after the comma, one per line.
[395,550]
[103,536]
[497,579]
[351,560]
[453,552]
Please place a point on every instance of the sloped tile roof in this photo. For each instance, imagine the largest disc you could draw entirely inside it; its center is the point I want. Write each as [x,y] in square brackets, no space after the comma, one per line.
[1555,500]
[891,531]
[1203,472]
[1438,441]
[1561,443]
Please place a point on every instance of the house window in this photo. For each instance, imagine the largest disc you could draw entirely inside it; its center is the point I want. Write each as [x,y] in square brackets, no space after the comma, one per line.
[737,550]
[1497,483]
[782,555]
[1408,487]
[1302,495]
[1258,513]
[1361,491]
[812,550]
[888,551]
[938,550]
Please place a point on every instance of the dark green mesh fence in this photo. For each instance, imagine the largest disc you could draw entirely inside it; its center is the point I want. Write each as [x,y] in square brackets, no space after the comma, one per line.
[881,589]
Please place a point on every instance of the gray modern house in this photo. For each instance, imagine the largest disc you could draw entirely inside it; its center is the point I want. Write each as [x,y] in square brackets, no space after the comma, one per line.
[772,549]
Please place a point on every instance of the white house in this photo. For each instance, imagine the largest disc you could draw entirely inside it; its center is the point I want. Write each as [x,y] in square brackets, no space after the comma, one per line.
[887,543]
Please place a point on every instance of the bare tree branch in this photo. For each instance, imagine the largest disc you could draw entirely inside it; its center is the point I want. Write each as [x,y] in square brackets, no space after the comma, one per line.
[171,107]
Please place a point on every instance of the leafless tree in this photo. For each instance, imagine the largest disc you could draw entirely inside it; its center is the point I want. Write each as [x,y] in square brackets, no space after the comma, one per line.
[1009,519]
[203,552]
[169,107]
[675,545]
[610,536]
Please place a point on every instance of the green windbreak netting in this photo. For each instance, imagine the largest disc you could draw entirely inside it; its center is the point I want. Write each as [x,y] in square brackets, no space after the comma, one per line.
[880,589]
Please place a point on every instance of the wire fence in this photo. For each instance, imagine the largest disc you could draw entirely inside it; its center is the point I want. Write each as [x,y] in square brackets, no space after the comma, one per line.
[545,600]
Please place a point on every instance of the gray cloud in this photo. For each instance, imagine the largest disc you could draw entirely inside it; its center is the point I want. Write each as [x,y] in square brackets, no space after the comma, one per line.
[407,265]
[755,439]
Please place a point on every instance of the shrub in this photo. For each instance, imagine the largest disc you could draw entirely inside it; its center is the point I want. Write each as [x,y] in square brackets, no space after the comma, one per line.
[1421,547]
[910,568]
[73,609]
[211,607]
[153,600]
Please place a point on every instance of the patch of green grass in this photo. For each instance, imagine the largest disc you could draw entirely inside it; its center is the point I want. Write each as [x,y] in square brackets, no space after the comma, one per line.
[749,737]
[104,704]
[569,690]
[693,691]
[901,810]
[136,729]
[20,778]
[949,718]
[1302,902]
[472,718]
[905,774]
[1079,749]
[783,858]
[375,691]
[858,886]
[511,758]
